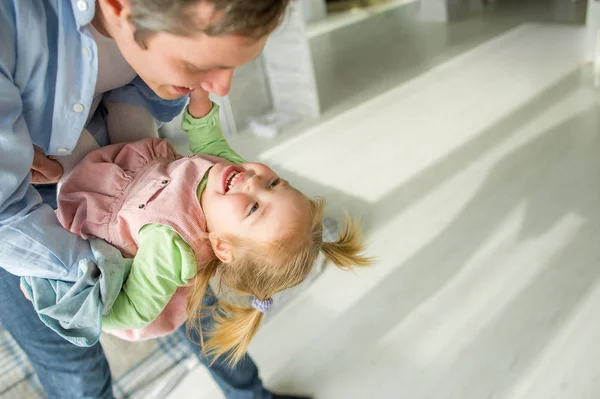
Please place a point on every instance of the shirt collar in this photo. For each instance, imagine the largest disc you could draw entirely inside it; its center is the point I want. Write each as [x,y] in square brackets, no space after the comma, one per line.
[83,10]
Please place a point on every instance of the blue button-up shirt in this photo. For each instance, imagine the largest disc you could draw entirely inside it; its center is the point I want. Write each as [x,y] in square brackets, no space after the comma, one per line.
[48,70]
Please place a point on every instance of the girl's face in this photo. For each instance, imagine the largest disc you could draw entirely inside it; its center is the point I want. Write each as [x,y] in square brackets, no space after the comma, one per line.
[250,201]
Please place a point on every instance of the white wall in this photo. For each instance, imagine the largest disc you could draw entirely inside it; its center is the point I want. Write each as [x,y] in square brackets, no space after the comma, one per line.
[313,10]
[446,10]
[593,26]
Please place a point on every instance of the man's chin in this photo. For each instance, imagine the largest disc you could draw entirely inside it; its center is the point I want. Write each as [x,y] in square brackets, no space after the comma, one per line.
[164,93]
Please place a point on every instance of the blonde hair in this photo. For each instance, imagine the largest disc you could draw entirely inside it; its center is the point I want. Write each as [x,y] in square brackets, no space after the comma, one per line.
[259,275]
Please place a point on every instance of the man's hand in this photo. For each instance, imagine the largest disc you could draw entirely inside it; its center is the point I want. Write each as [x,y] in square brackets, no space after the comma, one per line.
[200,105]
[45,170]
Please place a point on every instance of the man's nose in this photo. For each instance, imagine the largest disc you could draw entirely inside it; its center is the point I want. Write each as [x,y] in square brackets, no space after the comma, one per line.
[218,82]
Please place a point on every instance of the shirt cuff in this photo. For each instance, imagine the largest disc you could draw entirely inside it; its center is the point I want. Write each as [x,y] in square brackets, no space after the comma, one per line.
[211,119]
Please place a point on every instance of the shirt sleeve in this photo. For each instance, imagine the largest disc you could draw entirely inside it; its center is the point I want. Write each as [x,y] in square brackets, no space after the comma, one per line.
[33,241]
[163,263]
[206,136]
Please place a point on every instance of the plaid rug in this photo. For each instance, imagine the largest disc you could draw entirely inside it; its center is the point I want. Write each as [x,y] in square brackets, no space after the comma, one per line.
[147,369]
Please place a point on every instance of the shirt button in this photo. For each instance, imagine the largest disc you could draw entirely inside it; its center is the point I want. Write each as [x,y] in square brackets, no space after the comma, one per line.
[62,150]
[82,5]
[85,51]
[78,108]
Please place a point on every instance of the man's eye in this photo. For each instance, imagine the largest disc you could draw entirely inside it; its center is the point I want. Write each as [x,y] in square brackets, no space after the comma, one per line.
[253,209]
[275,183]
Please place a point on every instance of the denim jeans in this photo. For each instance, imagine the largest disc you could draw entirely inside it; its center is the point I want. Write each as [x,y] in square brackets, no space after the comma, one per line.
[67,371]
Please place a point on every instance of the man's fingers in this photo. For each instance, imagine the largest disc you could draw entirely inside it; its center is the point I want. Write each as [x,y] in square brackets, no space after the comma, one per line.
[45,170]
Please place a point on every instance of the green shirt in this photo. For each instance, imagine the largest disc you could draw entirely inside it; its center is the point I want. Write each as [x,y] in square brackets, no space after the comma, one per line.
[164,261]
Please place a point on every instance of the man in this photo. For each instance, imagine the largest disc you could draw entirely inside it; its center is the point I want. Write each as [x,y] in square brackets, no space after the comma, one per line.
[61,63]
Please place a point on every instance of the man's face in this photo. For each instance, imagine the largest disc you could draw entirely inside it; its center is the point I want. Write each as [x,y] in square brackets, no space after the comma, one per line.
[172,65]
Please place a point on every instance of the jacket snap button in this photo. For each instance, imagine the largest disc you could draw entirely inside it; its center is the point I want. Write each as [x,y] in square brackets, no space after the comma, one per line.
[164,182]
[142,206]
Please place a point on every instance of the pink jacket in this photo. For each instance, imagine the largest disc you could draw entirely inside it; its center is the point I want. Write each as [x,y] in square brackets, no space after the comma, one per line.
[118,189]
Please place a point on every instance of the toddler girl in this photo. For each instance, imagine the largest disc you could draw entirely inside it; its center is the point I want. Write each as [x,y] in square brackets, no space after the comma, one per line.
[186,219]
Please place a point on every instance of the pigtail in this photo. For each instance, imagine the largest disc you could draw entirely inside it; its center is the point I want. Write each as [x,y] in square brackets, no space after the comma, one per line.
[347,250]
[234,329]
[195,295]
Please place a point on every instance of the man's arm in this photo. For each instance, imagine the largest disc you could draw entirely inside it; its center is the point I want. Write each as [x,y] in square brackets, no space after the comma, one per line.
[138,93]
[33,241]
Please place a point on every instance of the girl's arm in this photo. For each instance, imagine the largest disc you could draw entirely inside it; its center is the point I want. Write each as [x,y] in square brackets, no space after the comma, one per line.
[163,262]
[202,125]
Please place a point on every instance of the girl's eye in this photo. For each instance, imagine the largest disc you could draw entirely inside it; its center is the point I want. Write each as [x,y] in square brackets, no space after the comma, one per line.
[275,183]
[253,209]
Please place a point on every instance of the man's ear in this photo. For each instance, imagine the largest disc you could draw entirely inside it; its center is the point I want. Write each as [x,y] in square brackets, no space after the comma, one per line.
[222,248]
[115,10]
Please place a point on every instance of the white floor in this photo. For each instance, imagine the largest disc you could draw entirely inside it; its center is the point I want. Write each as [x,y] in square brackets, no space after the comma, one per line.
[477,183]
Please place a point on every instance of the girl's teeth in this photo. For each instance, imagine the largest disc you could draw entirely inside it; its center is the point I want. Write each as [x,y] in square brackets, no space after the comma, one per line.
[231,179]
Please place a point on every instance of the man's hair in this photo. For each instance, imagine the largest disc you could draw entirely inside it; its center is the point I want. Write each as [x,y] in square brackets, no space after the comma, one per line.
[250,18]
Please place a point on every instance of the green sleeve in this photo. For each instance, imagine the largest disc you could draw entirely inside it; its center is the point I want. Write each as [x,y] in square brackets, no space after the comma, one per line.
[163,262]
[206,136]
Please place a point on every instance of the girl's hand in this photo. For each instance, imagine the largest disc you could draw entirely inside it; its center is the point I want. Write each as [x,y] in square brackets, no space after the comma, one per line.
[200,105]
